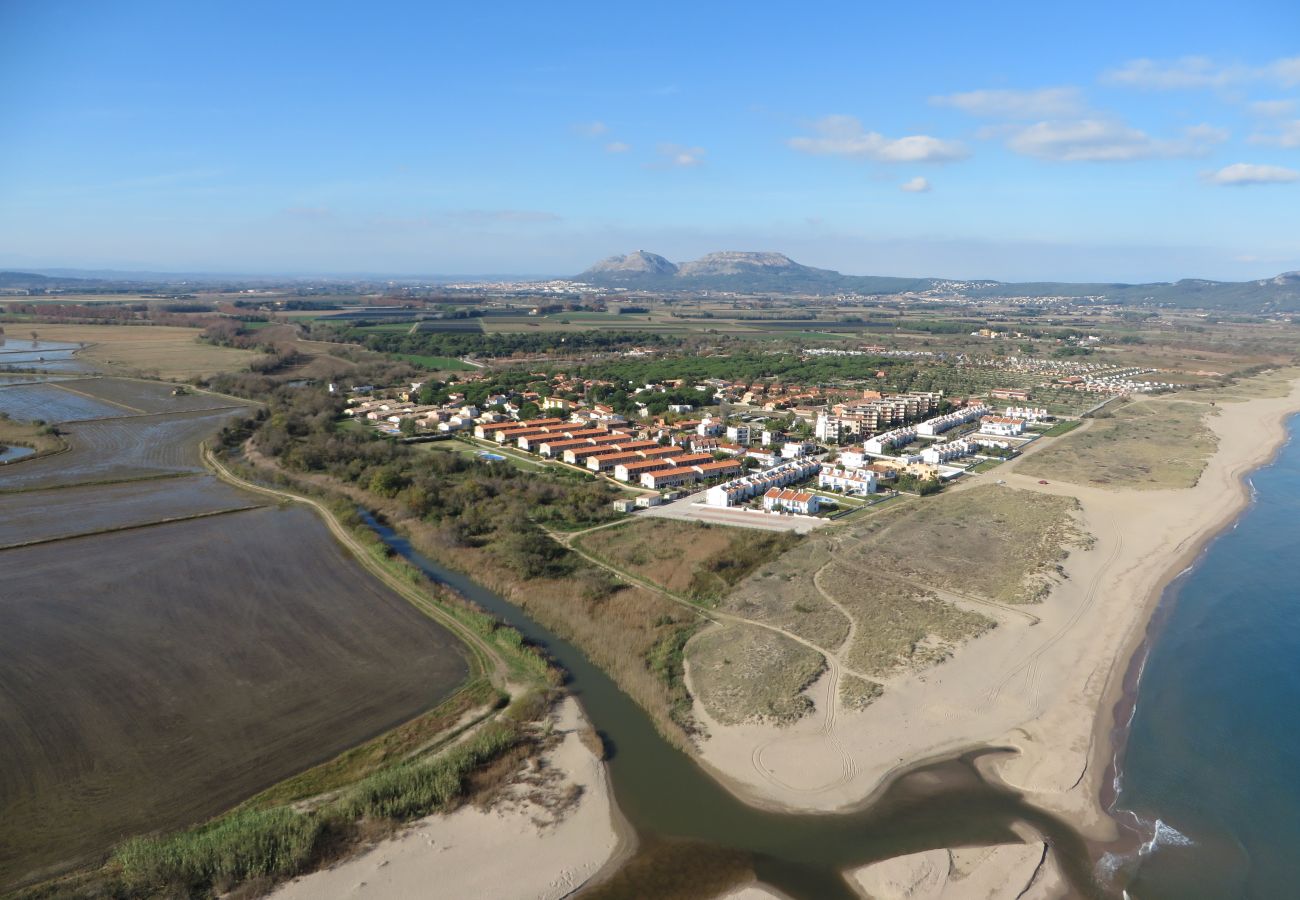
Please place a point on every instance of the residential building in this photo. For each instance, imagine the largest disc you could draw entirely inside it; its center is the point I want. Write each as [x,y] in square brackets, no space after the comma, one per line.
[1002,426]
[747,487]
[848,481]
[788,500]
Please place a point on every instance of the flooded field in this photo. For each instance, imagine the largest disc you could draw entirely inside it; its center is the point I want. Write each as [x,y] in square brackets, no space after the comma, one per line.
[41,515]
[157,676]
[49,356]
[13,454]
[145,396]
[47,402]
[118,450]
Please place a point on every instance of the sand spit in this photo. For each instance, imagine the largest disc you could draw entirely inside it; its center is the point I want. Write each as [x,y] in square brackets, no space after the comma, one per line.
[1048,689]
[517,849]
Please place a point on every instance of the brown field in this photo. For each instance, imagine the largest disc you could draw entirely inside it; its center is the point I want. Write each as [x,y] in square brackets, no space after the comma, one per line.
[41,515]
[997,542]
[157,676]
[119,450]
[744,673]
[163,351]
[695,560]
[1147,445]
[783,593]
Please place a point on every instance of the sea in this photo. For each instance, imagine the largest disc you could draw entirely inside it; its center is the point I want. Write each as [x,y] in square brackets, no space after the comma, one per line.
[1208,773]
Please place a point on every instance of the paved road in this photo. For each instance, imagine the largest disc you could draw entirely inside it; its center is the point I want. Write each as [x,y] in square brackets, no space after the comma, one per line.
[693,509]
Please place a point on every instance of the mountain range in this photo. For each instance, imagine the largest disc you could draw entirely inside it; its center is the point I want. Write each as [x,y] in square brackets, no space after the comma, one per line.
[776,273]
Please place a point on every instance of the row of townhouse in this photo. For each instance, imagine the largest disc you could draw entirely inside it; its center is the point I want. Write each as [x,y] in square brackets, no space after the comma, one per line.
[633,470]
[940,424]
[847,481]
[740,490]
[689,474]
[1028,413]
[936,454]
[899,437]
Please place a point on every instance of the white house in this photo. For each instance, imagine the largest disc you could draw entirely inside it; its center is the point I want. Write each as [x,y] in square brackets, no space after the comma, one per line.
[848,481]
[788,500]
[1002,426]
[738,434]
[899,437]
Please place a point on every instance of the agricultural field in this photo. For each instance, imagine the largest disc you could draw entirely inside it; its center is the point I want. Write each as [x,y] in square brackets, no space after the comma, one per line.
[177,669]
[1146,445]
[119,450]
[33,516]
[698,561]
[168,352]
[49,402]
[145,397]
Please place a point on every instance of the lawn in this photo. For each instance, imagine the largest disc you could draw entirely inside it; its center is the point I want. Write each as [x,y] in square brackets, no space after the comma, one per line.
[1061,428]
[433,363]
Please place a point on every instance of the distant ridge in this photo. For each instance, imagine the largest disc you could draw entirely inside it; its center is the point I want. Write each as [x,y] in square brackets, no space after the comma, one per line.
[775,273]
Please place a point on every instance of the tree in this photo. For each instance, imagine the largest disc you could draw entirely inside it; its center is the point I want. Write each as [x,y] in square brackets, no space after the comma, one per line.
[407,426]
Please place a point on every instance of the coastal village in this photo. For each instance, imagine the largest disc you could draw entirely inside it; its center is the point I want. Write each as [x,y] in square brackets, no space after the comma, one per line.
[790,450]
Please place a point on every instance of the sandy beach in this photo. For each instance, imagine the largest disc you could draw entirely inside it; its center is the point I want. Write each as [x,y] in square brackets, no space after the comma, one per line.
[1045,689]
[520,848]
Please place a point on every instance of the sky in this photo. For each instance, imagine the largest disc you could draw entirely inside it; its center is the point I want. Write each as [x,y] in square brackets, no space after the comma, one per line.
[1019,141]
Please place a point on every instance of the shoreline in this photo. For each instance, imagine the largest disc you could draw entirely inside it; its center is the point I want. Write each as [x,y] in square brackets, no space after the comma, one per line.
[1065,730]
[1121,696]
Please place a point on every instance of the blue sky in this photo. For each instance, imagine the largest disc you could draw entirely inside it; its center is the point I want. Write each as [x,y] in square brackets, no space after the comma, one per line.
[1012,140]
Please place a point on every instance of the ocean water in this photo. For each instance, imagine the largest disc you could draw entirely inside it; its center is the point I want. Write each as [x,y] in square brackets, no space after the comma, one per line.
[1209,776]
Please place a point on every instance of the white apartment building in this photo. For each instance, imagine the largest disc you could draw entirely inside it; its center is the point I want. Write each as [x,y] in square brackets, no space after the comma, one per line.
[848,481]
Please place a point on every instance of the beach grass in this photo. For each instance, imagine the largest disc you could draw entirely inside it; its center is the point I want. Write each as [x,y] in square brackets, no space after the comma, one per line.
[744,673]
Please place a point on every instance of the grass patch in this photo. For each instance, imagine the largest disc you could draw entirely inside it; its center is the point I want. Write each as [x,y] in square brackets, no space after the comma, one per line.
[695,560]
[1148,446]
[1061,428]
[743,673]
[858,693]
[994,541]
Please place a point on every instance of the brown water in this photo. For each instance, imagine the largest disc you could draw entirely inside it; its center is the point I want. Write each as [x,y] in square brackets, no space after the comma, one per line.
[690,829]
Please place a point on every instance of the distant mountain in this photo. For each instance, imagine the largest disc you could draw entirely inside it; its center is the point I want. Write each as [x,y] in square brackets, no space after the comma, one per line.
[776,273]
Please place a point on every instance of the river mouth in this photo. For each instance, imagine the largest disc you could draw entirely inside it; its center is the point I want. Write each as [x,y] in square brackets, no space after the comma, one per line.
[690,829]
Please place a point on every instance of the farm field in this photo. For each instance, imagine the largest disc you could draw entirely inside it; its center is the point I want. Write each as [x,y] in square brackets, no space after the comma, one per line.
[119,450]
[146,397]
[42,515]
[165,351]
[177,669]
[1148,445]
[51,403]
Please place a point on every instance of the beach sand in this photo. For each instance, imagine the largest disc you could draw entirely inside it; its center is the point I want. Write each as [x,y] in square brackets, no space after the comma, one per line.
[502,852]
[1046,690]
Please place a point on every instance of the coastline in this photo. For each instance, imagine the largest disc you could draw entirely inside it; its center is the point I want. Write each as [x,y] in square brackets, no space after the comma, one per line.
[1120,697]
[553,833]
[1049,692]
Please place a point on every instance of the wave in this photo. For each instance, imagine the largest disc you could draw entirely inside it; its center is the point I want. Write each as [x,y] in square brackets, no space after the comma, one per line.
[1116,868]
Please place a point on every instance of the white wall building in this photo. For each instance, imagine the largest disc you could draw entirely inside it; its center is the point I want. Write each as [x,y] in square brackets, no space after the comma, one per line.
[899,437]
[1002,426]
[848,481]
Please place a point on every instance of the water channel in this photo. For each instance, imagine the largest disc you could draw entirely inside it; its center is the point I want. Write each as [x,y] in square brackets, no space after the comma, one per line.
[686,822]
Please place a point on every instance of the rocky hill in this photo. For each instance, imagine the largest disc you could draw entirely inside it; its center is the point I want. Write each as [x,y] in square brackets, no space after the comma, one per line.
[776,273]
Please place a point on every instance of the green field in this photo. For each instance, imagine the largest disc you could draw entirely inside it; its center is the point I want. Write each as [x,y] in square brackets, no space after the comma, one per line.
[433,363]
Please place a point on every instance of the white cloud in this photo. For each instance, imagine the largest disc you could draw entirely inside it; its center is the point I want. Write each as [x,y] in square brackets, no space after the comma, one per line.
[845,136]
[1207,134]
[1200,72]
[1287,135]
[680,157]
[1043,103]
[617,147]
[1273,108]
[917,185]
[591,129]
[1105,140]
[1240,174]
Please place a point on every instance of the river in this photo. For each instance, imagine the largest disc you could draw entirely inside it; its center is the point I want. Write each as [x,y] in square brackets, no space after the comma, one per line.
[1208,772]
[686,819]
